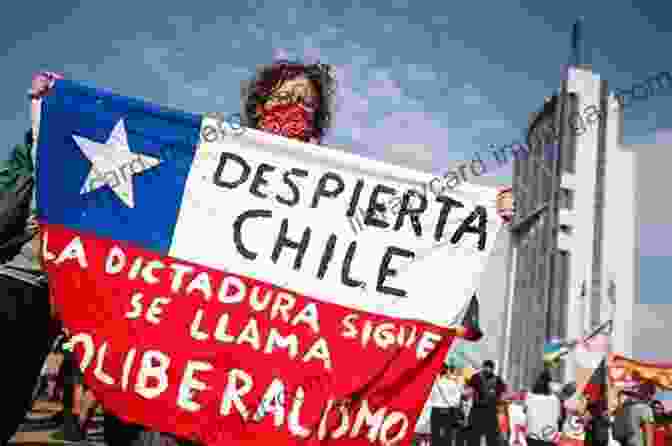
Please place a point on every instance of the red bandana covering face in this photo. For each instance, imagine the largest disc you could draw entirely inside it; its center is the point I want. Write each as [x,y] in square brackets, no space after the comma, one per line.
[289,120]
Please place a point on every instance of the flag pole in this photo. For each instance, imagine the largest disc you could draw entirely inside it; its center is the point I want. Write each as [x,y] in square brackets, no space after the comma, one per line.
[577,38]
[611,294]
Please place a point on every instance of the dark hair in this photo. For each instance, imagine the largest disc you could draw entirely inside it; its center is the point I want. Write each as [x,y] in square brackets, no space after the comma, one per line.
[657,404]
[489,363]
[542,384]
[257,90]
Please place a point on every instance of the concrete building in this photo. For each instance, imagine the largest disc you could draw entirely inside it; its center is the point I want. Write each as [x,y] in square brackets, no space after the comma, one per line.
[492,308]
[574,240]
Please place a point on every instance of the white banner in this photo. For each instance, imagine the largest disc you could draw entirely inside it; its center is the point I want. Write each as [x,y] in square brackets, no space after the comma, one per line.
[335,226]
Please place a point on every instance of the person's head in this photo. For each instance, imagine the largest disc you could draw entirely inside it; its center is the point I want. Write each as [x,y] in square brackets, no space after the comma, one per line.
[542,385]
[291,99]
[488,368]
[658,408]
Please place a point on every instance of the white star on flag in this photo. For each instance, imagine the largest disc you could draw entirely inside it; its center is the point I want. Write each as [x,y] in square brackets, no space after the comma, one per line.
[113,164]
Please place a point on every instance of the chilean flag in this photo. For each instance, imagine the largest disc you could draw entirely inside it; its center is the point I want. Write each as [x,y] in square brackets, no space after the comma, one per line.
[181,325]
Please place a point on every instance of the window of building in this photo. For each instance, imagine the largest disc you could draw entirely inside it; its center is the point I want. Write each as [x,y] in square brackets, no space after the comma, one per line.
[566,199]
[568,159]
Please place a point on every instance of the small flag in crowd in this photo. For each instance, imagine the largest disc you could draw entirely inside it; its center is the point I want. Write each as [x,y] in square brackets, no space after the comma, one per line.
[658,374]
[595,389]
[470,329]
[590,352]
[554,350]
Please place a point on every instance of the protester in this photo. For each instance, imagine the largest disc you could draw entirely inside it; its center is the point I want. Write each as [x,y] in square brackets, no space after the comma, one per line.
[597,424]
[446,400]
[290,99]
[79,403]
[487,389]
[566,393]
[543,410]
[658,408]
[71,430]
[632,414]
[25,314]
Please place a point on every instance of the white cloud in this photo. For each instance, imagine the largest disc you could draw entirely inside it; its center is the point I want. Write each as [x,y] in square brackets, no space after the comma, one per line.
[418,156]
[375,108]
[280,53]
[664,136]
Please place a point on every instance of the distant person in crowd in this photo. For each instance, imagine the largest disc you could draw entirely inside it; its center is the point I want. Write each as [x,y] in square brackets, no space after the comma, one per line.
[487,389]
[291,99]
[663,428]
[633,414]
[544,412]
[79,403]
[566,392]
[446,416]
[597,424]
[658,408]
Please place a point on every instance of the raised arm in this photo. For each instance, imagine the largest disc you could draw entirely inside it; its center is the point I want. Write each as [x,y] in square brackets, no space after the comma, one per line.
[41,85]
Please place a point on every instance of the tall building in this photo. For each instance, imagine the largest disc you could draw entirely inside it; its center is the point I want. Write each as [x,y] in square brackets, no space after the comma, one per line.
[574,239]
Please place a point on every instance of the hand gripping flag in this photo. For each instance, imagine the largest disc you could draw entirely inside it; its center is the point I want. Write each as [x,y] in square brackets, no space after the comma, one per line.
[213,287]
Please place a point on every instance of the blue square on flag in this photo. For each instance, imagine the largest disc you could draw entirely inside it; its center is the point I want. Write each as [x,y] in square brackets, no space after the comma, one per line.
[124,163]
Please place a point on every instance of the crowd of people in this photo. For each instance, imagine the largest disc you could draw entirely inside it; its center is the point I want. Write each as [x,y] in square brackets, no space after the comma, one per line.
[463,411]
[294,100]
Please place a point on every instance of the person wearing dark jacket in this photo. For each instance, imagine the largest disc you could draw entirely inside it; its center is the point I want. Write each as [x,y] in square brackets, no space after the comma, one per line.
[598,425]
[487,389]
[633,419]
[24,309]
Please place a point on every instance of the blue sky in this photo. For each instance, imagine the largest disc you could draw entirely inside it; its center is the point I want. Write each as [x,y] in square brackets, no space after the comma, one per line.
[421,86]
